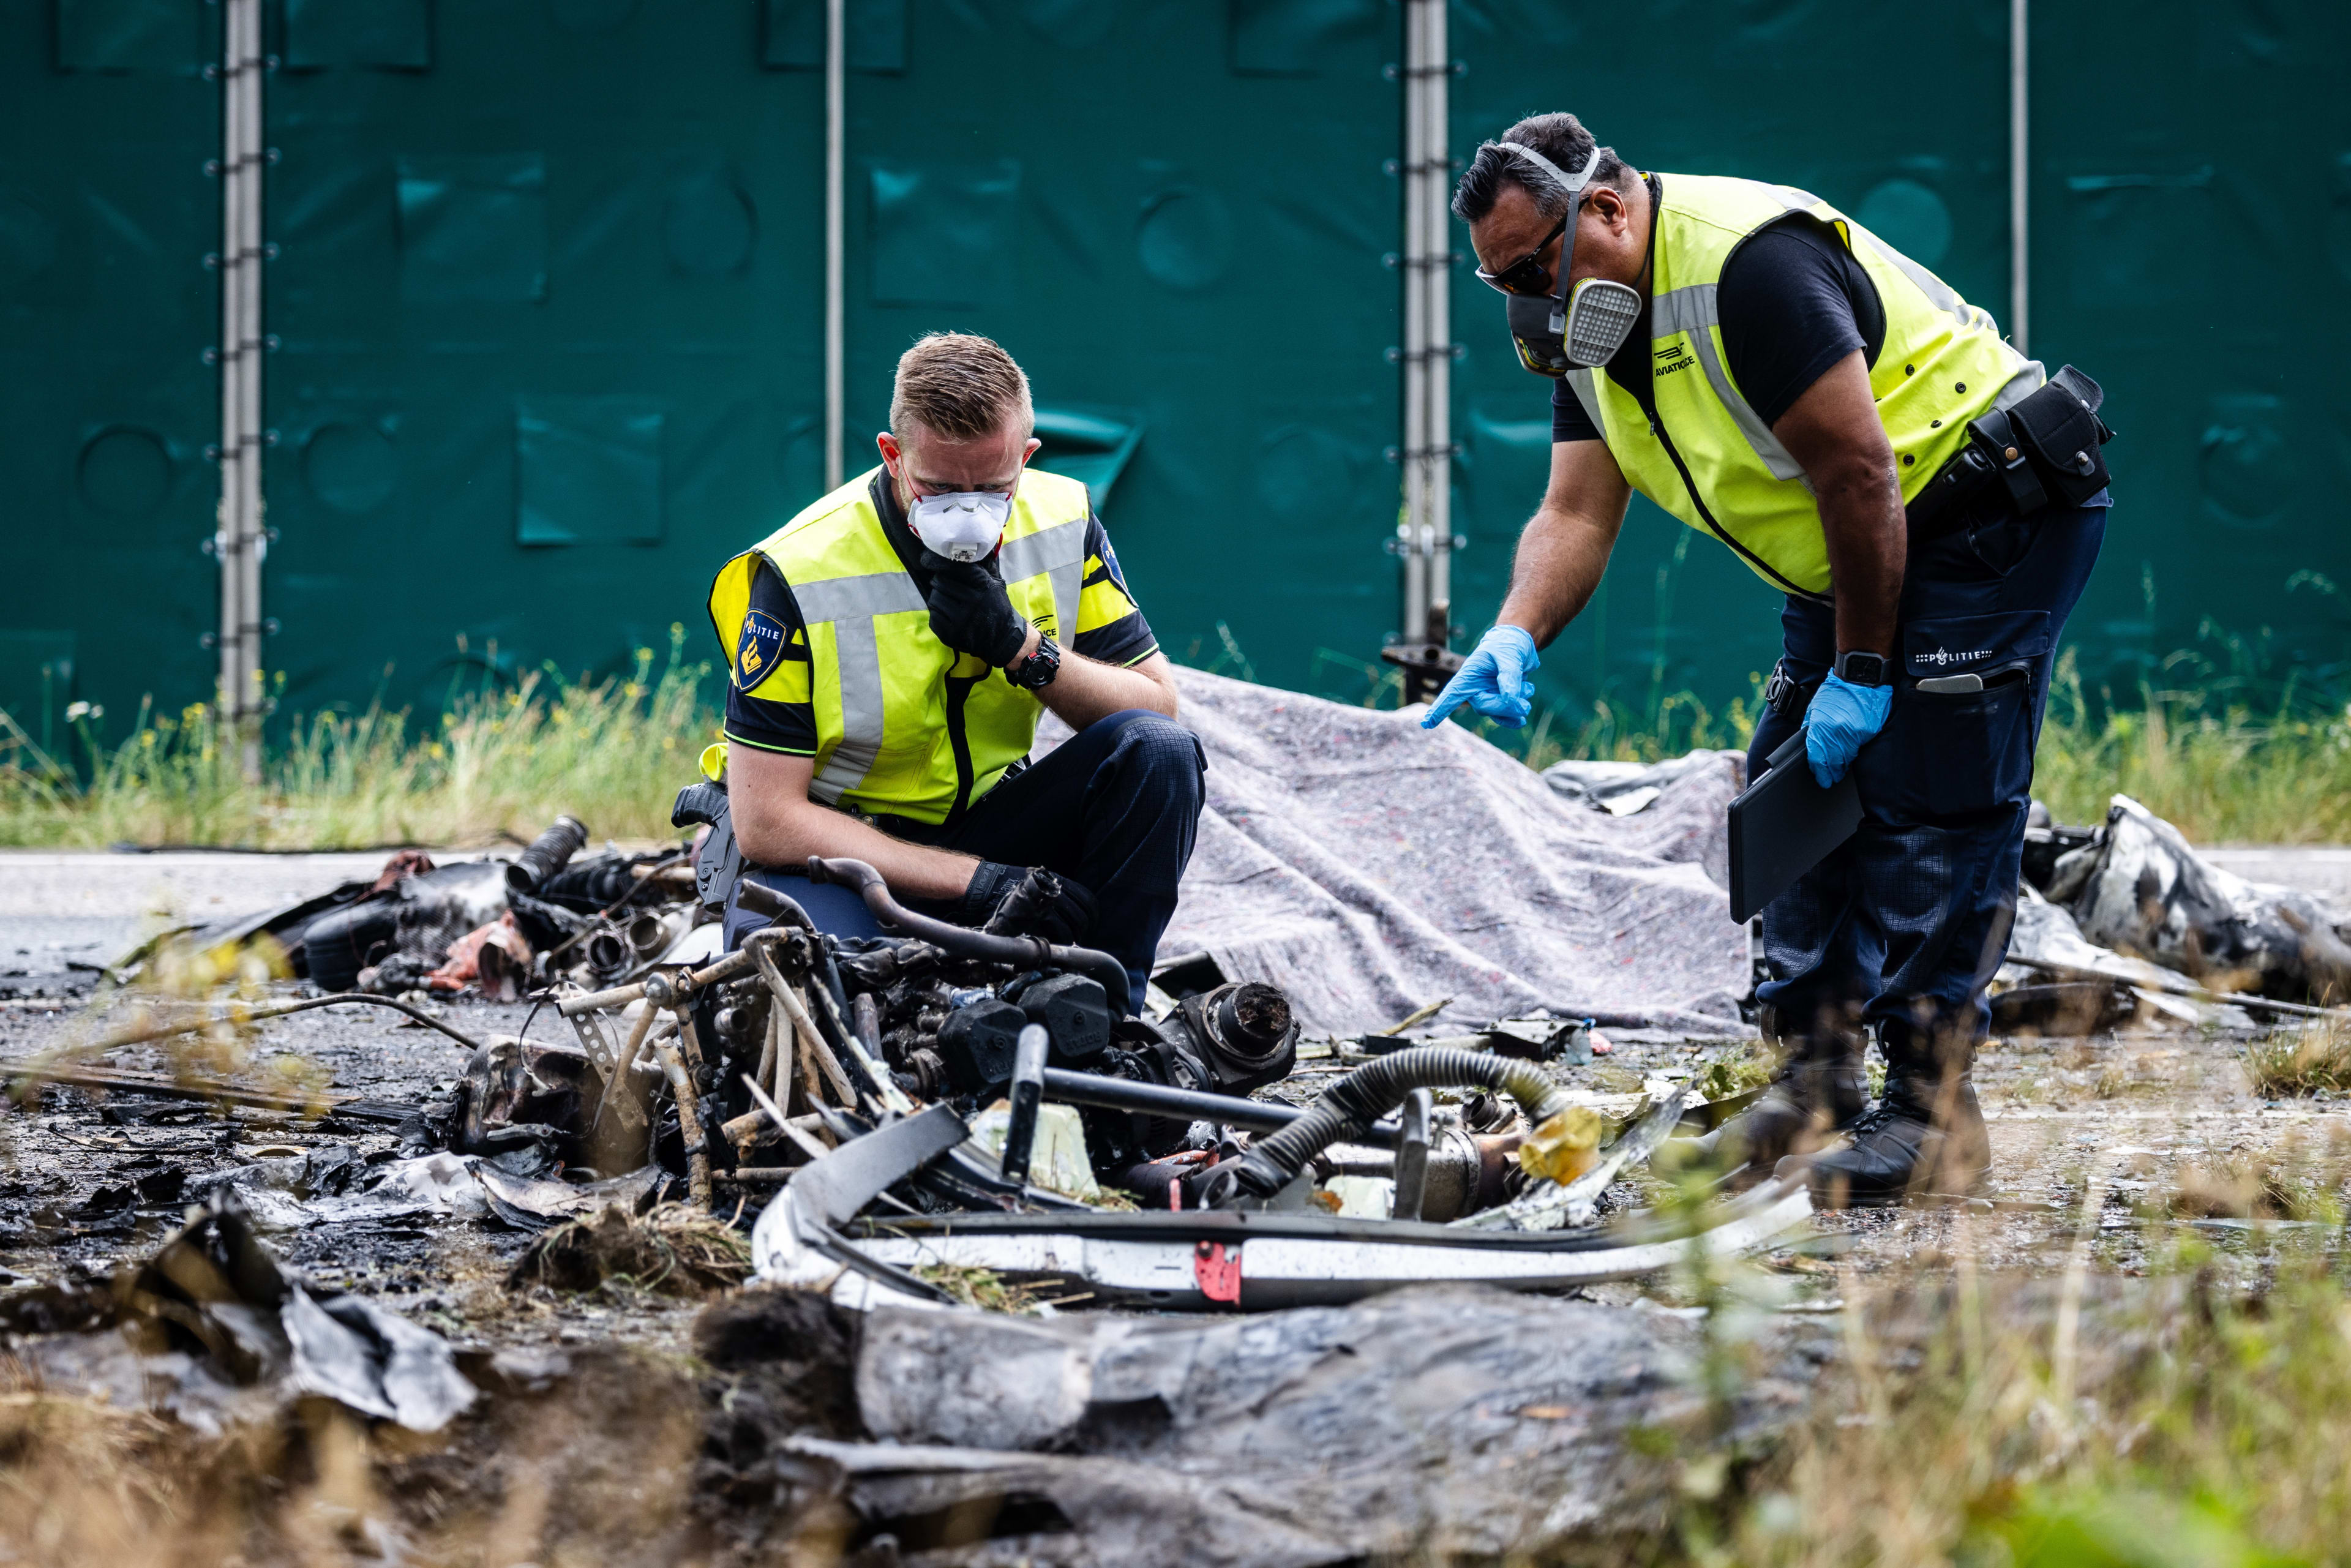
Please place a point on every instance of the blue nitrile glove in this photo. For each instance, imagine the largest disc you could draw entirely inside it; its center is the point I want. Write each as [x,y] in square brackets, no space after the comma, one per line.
[1843,715]
[1493,679]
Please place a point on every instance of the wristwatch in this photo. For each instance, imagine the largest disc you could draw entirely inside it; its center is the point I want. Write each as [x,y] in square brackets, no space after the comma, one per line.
[1859,667]
[1036,672]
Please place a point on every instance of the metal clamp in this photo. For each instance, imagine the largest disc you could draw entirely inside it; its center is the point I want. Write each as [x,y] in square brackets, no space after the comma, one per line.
[1786,695]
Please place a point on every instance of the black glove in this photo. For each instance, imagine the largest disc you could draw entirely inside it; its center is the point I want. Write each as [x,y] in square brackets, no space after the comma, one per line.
[1011,901]
[972,613]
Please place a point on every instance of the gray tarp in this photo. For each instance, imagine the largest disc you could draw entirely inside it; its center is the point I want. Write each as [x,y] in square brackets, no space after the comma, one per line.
[1369,867]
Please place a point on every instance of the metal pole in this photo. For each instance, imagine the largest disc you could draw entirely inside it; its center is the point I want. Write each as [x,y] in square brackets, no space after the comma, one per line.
[1412,527]
[1436,276]
[1425,520]
[238,539]
[836,94]
[2020,174]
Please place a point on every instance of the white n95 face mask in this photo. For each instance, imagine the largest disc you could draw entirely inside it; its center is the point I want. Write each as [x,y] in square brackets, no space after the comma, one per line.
[965,526]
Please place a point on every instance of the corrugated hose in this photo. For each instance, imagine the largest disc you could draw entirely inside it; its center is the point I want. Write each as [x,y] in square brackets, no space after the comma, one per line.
[1348,1108]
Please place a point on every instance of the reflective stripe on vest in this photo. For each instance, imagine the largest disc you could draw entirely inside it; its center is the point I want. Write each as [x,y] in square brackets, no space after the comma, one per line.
[891,701]
[1942,364]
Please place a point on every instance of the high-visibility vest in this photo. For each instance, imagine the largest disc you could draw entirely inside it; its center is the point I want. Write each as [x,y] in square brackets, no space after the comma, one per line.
[906,726]
[1710,459]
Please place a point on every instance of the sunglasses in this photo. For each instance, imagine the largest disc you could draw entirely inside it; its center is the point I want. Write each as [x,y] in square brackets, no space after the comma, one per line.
[1528,275]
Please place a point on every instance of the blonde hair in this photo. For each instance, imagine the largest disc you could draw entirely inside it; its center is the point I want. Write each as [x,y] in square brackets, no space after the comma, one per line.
[960,386]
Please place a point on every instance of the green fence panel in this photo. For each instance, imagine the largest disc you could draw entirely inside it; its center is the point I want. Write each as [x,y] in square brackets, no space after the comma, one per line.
[548,297]
[2192,248]
[1795,94]
[107,314]
[1175,215]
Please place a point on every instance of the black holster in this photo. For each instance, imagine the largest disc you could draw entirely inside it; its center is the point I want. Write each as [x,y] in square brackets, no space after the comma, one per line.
[2043,450]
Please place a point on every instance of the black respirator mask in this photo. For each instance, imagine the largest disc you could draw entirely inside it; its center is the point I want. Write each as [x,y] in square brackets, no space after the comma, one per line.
[1570,329]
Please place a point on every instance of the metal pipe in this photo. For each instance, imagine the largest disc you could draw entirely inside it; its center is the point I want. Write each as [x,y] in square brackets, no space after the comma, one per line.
[665,988]
[1412,524]
[1434,276]
[2019,173]
[1069,1088]
[836,97]
[1021,952]
[1028,1089]
[689,1125]
[238,538]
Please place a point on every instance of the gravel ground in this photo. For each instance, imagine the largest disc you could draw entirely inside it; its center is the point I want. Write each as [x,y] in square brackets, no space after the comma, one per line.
[2144,1116]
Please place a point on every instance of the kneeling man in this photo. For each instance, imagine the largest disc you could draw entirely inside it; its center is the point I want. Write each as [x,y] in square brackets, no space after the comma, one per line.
[892,649]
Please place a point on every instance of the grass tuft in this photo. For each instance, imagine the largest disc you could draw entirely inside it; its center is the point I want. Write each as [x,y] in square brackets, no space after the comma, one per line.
[676,1250]
[969,1285]
[2314,1061]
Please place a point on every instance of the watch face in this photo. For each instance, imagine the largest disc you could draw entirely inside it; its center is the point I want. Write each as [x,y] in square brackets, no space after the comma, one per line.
[1862,669]
[1037,670]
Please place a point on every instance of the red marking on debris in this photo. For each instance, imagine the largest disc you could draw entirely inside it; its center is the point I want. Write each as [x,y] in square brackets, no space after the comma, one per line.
[1175,1193]
[1218,1272]
[402,864]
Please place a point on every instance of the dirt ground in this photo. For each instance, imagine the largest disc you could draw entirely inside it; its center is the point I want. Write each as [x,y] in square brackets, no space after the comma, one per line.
[615,1389]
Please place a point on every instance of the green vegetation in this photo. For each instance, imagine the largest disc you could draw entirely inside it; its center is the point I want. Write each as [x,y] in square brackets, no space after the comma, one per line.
[2303,1061]
[2228,757]
[499,762]
[2219,757]
[2084,1422]
[2140,1390]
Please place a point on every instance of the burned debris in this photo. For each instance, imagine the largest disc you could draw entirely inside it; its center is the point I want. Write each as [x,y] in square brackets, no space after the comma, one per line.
[214,1328]
[2126,919]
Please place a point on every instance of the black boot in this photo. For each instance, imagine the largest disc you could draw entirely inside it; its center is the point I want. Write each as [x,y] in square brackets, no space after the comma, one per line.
[1820,1090]
[1925,1136]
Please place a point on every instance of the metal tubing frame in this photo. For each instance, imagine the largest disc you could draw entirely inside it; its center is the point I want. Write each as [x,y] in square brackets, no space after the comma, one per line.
[1425,528]
[239,539]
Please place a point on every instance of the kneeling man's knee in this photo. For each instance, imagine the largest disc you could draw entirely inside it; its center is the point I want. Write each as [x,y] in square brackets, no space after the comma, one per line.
[1156,746]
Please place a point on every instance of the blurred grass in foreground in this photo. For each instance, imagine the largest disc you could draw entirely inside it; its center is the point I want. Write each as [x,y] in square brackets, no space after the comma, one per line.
[2085,1419]
[2226,759]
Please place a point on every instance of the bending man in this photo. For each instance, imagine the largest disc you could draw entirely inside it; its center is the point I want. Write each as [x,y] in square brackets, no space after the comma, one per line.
[1928,504]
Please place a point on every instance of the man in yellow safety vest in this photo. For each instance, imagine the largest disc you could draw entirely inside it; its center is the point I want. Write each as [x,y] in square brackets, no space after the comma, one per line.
[892,649]
[1928,504]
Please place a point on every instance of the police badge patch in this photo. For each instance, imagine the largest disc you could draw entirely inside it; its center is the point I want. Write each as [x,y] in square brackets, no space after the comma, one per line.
[757,649]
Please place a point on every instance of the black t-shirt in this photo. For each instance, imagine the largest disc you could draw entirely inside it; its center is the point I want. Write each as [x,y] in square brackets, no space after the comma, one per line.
[1793,301]
[769,707]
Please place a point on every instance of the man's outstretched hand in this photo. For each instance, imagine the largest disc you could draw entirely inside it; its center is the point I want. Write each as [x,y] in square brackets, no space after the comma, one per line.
[1493,680]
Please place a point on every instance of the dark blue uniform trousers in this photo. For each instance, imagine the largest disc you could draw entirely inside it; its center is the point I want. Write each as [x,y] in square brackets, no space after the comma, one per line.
[1903,927]
[1117,807]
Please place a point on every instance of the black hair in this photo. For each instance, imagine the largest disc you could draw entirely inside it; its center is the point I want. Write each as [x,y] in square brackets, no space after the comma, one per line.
[1558,137]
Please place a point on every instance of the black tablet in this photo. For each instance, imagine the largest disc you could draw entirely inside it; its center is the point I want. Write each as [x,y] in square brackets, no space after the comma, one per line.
[1784,824]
